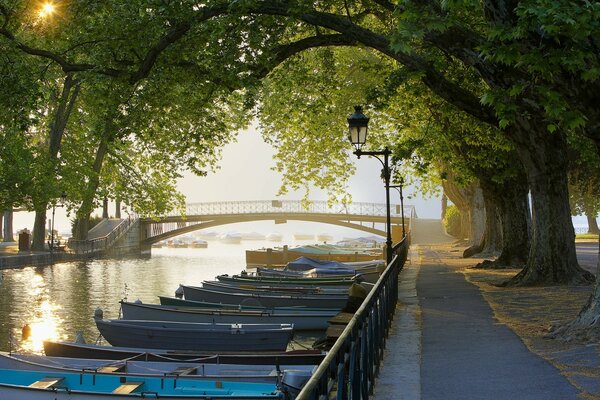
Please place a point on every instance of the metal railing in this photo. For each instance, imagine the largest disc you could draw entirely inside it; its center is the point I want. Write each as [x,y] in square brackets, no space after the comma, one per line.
[101,244]
[352,364]
[290,206]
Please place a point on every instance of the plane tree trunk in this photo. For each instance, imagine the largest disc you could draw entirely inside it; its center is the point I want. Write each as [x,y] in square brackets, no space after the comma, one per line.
[7,226]
[491,240]
[592,223]
[62,113]
[552,258]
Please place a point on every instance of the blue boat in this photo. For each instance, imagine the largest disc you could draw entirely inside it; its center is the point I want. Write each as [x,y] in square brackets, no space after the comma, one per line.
[35,385]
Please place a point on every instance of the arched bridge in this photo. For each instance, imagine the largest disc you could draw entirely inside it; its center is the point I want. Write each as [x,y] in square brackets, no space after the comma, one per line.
[367,217]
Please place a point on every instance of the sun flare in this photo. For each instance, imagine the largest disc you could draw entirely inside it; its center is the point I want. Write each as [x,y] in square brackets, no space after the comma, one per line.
[47,10]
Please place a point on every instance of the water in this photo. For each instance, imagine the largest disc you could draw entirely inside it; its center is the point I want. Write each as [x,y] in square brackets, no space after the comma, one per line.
[59,300]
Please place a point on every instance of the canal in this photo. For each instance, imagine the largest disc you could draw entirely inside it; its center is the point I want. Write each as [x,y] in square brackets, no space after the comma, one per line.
[59,300]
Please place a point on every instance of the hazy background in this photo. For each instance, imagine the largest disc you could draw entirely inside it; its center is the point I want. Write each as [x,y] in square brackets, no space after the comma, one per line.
[245,174]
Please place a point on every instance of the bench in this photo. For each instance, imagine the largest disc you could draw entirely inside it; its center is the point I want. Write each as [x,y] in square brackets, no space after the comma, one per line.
[127,387]
[47,382]
[111,368]
[185,371]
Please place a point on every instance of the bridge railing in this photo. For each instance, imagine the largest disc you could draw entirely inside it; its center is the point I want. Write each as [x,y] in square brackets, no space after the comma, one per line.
[290,206]
[103,243]
[352,364]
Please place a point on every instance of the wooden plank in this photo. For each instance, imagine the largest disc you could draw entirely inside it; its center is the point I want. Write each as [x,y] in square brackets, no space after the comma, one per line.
[111,368]
[46,382]
[185,371]
[335,331]
[127,387]
[342,318]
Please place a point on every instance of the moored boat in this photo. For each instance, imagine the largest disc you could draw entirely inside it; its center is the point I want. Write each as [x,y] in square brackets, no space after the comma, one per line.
[272,288]
[132,368]
[175,301]
[83,350]
[292,280]
[199,244]
[302,320]
[39,385]
[195,336]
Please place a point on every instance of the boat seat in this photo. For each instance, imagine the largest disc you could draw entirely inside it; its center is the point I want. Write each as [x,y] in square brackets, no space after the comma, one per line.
[185,371]
[111,368]
[47,382]
[127,387]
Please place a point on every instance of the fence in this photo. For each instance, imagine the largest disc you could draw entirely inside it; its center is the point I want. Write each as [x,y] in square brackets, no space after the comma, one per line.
[352,364]
[101,244]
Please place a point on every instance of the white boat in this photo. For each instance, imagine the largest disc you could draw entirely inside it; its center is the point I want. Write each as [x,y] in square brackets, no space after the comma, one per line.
[231,238]
[275,237]
[253,236]
[303,236]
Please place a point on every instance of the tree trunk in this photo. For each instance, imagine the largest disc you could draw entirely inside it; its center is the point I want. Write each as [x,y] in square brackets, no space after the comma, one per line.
[8,226]
[105,208]
[460,197]
[552,258]
[66,102]
[477,216]
[86,208]
[2,225]
[586,326]
[118,208]
[491,240]
[592,223]
[444,205]
[515,221]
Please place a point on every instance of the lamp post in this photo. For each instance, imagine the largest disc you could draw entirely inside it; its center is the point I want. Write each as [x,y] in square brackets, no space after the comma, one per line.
[62,199]
[358,124]
[399,189]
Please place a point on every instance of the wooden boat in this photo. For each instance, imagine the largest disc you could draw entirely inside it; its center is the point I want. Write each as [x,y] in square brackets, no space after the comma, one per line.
[199,244]
[82,350]
[302,320]
[195,336]
[178,302]
[39,385]
[131,368]
[236,287]
[265,300]
[288,280]
[283,256]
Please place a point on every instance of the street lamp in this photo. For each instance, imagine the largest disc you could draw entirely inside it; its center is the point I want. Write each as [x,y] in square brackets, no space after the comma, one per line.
[399,189]
[61,200]
[358,126]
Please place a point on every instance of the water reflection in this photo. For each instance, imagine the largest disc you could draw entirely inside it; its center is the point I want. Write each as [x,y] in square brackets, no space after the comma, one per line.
[57,301]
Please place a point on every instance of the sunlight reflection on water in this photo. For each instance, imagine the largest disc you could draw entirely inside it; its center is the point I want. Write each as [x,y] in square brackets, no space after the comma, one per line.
[59,300]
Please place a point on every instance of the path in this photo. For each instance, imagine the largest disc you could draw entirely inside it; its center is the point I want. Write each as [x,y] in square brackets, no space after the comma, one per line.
[446,343]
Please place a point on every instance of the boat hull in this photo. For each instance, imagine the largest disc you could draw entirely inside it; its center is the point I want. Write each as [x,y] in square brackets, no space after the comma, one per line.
[301,320]
[79,350]
[195,336]
[316,301]
[15,385]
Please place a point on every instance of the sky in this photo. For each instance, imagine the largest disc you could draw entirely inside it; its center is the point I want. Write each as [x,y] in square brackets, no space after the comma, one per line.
[245,173]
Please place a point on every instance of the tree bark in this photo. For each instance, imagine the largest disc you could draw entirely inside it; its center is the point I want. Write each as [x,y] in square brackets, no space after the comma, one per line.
[59,123]
[8,235]
[118,208]
[491,240]
[592,224]
[444,205]
[586,326]
[460,197]
[552,257]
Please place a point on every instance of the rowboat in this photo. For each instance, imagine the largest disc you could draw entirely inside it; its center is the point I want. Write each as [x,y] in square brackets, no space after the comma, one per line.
[290,280]
[226,372]
[195,336]
[39,385]
[237,287]
[265,300]
[82,350]
[175,301]
[302,320]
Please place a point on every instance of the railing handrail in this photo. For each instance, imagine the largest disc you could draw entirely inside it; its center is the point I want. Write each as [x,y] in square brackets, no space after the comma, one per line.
[360,315]
[104,242]
[290,207]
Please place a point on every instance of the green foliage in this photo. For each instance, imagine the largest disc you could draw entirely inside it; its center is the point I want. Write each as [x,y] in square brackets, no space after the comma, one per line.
[452,221]
[93,221]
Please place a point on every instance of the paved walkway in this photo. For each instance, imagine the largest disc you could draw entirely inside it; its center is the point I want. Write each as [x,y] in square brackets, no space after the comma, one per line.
[446,343]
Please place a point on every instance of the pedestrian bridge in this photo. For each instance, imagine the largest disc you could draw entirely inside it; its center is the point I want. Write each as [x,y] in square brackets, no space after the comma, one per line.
[367,217]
